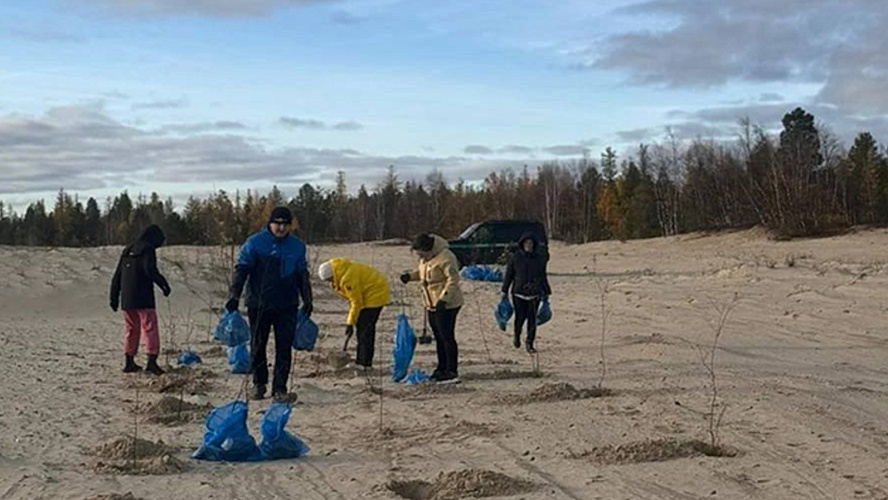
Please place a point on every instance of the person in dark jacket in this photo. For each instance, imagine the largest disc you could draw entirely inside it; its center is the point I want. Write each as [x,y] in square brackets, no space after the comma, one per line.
[526,277]
[132,289]
[272,265]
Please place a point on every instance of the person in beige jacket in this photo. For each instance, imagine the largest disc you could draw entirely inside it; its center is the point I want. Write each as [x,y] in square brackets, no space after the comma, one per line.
[438,274]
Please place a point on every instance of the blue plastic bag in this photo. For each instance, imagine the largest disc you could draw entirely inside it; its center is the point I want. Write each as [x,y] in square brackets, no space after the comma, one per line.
[189,358]
[226,438]
[277,443]
[503,313]
[545,313]
[306,333]
[232,329]
[405,343]
[239,359]
[482,273]
[417,377]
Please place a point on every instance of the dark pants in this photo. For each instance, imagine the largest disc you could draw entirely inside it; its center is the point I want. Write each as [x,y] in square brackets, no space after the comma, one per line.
[261,322]
[444,327]
[526,310]
[366,330]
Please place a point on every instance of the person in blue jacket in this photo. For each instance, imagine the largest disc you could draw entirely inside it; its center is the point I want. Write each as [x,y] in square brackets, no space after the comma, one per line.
[273,266]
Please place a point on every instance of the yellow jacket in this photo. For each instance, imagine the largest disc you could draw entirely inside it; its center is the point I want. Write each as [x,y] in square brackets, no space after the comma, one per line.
[361,285]
[439,277]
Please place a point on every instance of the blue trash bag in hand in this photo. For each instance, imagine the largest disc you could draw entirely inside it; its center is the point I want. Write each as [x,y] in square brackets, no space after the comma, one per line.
[405,343]
[232,329]
[545,313]
[189,358]
[306,333]
[503,313]
[239,359]
[277,443]
[226,438]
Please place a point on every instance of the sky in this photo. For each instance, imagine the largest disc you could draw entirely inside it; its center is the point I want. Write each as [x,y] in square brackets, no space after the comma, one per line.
[186,98]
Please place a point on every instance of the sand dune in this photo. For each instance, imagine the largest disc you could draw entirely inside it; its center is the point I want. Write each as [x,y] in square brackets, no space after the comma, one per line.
[801,368]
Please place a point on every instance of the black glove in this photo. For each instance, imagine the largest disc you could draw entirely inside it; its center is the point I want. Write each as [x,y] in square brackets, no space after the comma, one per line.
[231,305]
[114,306]
[504,296]
[439,307]
[166,291]
[405,278]
[307,308]
[349,331]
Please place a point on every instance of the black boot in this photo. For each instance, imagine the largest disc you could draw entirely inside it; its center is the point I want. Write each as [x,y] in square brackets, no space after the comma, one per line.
[130,366]
[530,339]
[152,365]
[258,392]
[516,340]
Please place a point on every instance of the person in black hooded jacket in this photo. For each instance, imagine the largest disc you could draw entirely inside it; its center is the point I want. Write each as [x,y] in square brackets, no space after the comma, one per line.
[526,277]
[132,290]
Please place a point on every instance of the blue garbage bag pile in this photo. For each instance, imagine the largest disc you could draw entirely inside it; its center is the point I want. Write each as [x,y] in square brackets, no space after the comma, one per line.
[405,344]
[482,273]
[226,438]
[232,329]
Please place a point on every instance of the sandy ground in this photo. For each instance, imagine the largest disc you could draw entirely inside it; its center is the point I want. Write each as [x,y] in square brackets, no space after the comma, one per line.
[801,369]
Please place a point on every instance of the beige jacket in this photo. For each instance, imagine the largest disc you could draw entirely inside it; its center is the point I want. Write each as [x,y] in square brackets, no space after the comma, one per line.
[439,277]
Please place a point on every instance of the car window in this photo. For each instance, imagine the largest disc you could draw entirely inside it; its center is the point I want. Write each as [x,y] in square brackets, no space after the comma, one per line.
[468,231]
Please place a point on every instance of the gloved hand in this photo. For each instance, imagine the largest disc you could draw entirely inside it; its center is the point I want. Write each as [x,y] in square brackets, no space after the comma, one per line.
[231,305]
[166,291]
[349,330]
[504,296]
[114,305]
[405,278]
[307,309]
[439,307]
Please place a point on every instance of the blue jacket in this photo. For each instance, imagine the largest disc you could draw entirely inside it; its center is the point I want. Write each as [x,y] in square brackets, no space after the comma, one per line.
[275,270]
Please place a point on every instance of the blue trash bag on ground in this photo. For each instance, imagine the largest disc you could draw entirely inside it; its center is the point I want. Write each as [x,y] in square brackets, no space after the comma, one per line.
[417,377]
[306,333]
[239,358]
[277,443]
[503,313]
[232,329]
[482,273]
[545,313]
[189,358]
[226,438]
[405,343]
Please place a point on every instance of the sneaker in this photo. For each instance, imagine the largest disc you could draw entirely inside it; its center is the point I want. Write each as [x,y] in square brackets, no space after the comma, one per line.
[531,350]
[449,378]
[258,393]
[435,376]
[516,341]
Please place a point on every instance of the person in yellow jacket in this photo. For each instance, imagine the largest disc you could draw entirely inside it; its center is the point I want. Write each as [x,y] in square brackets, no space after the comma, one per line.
[438,273]
[367,292]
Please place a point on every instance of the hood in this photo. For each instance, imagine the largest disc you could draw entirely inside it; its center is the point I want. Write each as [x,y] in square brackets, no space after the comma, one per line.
[532,237]
[440,244]
[152,237]
[339,266]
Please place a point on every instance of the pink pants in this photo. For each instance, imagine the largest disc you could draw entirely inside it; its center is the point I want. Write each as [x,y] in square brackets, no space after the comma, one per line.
[141,323]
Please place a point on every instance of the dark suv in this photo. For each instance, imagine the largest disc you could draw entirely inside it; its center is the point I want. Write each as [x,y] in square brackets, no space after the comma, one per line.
[493,241]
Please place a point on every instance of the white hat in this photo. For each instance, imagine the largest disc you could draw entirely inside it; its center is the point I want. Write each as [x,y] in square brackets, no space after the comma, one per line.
[325,271]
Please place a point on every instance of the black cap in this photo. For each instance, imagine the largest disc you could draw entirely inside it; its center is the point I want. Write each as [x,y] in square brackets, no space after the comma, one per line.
[281,215]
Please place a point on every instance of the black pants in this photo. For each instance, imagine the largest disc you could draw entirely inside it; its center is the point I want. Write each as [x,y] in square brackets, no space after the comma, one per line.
[366,330]
[526,310]
[444,327]
[261,322]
